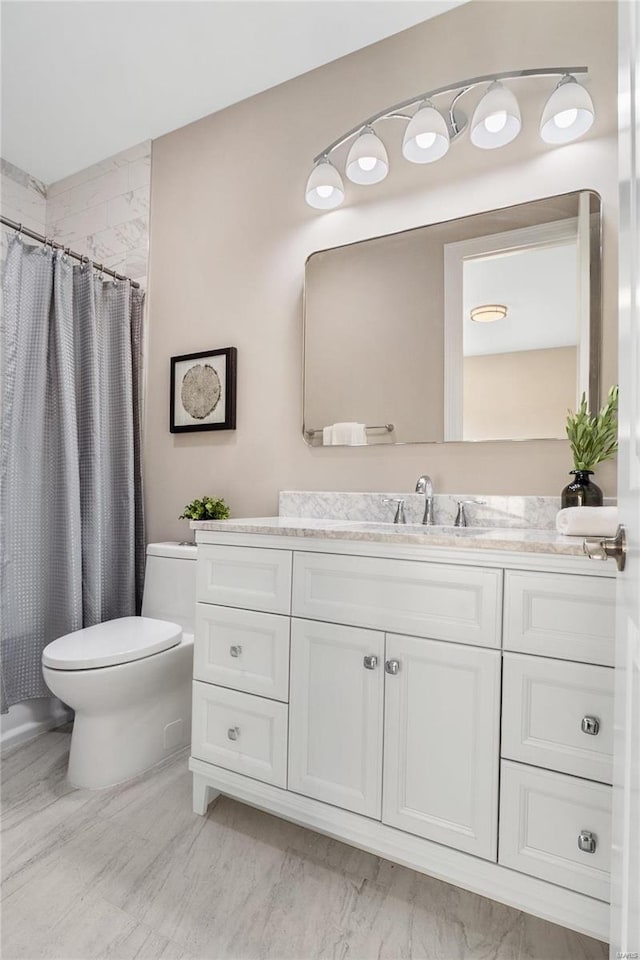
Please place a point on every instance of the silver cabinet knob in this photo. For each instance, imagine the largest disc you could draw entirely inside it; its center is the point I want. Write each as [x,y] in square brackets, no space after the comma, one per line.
[370,663]
[590,725]
[235,650]
[233,733]
[392,667]
[587,841]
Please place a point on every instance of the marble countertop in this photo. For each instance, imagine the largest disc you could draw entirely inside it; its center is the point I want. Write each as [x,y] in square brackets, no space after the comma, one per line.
[471,538]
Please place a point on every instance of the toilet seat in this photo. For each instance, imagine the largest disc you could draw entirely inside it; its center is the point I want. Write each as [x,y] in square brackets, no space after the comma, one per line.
[112,642]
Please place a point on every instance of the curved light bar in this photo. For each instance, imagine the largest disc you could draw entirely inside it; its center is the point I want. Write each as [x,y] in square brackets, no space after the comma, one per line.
[367,161]
[496,121]
[325,189]
[568,112]
[426,138]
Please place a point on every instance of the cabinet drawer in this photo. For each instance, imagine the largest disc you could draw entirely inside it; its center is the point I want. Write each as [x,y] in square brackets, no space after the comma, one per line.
[560,615]
[443,602]
[248,577]
[243,650]
[542,815]
[544,704]
[240,732]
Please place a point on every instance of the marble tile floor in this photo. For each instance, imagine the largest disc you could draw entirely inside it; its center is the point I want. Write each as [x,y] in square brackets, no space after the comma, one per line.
[132,872]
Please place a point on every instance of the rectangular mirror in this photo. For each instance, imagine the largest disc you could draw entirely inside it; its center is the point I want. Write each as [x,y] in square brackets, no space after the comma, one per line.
[482,328]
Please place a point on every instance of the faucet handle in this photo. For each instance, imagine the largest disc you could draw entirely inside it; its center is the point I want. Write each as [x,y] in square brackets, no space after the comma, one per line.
[399,517]
[461,517]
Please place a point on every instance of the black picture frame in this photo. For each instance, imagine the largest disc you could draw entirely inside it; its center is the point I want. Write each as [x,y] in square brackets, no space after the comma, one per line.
[224,363]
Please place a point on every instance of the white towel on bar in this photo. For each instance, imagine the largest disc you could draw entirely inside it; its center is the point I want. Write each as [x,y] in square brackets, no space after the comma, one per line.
[344,434]
[587,521]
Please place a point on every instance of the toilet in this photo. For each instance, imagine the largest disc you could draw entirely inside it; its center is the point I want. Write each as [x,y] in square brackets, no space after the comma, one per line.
[129,680]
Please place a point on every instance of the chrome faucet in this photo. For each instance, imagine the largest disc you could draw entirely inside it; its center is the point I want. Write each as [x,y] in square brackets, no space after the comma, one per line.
[425,485]
[461,517]
[399,517]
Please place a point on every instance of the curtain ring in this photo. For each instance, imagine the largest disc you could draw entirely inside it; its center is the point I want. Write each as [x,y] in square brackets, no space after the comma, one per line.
[100,267]
[19,233]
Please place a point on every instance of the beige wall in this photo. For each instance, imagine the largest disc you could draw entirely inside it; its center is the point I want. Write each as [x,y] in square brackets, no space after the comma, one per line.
[230,234]
[374,337]
[523,394]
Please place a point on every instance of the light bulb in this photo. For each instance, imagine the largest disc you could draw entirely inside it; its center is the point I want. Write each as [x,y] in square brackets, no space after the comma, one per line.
[425,140]
[496,122]
[324,190]
[565,118]
[367,163]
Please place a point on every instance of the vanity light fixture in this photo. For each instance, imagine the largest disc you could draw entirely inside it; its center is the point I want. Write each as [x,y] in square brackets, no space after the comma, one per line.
[427,136]
[496,120]
[488,312]
[325,189]
[430,130]
[367,161]
[568,112]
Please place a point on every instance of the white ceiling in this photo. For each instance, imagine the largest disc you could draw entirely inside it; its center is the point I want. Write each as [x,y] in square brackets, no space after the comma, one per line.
[84,80]
[539,287]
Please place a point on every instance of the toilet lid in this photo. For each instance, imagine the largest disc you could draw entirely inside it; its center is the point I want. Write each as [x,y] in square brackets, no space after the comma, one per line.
[106,644]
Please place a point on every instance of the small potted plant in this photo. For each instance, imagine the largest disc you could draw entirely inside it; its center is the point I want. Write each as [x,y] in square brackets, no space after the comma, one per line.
[207,508]
[593,440]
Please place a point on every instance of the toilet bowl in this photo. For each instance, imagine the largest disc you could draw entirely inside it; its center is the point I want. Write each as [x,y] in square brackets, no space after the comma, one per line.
[129,680]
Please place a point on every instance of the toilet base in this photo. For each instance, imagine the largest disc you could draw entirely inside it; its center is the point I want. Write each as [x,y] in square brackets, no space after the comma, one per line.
[129,717]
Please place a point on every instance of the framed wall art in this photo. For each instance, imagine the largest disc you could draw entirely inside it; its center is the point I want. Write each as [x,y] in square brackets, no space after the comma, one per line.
[203,391]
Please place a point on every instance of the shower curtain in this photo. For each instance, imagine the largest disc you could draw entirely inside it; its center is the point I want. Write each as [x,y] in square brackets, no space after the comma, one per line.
[71,524]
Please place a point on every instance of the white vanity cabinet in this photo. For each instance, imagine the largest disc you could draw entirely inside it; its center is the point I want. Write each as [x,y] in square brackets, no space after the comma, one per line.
[446,708]
[441,743]
[335,729]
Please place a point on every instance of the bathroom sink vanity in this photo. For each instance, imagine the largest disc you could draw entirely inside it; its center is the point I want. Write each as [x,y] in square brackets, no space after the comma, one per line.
[440,698]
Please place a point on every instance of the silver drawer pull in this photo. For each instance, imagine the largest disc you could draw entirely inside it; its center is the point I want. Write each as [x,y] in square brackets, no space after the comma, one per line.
[233,733]
[590,725]
[392,667]
[235,651]
[370,663]
[587,841]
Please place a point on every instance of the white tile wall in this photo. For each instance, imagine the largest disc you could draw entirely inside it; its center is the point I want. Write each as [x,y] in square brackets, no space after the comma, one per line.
[23,199]
[102,211]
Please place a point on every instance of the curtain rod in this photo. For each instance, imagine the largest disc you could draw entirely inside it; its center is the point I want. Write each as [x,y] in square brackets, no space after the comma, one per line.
[70,253]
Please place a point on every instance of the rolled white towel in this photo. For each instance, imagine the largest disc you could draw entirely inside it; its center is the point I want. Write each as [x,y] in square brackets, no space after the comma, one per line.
[350,434]
[587,521]
[327,436]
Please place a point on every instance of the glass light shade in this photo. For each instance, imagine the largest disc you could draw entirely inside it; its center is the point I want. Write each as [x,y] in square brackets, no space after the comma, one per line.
[496,120]
[367,161]
[488,312]
[325,189]
[427,136]
[568,113]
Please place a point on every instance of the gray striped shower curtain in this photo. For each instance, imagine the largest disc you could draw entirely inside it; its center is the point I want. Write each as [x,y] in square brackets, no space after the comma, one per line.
[71,524]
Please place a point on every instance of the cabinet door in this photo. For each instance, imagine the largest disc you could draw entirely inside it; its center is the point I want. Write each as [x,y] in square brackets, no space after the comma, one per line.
[335,723]
[441,746]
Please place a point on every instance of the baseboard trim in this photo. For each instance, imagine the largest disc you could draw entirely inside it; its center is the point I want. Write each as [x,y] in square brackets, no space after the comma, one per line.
[31,728]
[555,904]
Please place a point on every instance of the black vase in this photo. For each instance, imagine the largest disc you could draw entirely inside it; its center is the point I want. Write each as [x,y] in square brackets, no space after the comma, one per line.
[581,492]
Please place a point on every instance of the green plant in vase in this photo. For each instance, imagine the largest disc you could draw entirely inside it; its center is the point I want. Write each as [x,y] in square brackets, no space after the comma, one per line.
[207,508]
[593,440]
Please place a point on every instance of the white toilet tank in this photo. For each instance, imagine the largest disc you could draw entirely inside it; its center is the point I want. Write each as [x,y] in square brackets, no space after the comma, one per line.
[170,584]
